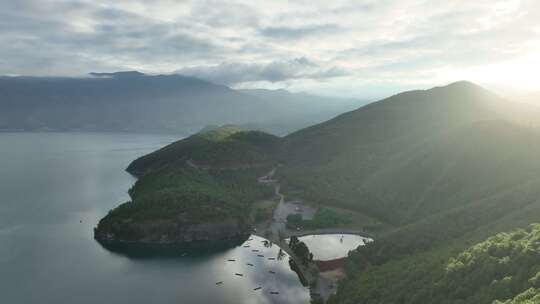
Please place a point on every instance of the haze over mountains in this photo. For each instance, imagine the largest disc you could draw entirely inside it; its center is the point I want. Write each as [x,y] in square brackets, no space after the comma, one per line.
[531,98]
[445,168]
[132,101]
[416,153]
[402,159]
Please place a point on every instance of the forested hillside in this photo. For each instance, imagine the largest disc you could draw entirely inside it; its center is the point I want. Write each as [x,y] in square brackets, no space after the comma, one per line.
[502,269]
[414,154]
[208,178]
[448,167]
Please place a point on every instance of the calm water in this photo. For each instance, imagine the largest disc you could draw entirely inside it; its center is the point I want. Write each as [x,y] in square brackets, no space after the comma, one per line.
[332,246]
[50,182]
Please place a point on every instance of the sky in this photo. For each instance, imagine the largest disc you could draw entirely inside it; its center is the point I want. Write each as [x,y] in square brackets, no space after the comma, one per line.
[357,48]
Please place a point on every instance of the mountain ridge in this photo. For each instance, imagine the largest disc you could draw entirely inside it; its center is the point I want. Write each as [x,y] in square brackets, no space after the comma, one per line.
[133,102]
[442,168]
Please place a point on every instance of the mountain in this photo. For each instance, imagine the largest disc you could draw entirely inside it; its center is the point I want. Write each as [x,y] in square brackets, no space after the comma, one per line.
[201,188]
[390,158]
[450,173]
[225,146]
[133,101]
[303,109]
[447,167]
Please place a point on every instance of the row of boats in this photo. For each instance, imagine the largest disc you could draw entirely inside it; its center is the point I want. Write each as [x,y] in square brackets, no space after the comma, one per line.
[252,265]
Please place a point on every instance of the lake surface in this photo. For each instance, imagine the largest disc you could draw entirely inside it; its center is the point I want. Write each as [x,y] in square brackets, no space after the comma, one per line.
[50,182]
[332,246]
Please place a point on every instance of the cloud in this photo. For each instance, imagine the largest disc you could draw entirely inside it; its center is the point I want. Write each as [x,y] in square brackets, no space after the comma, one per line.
[276,71]
[390,43]
[287,32]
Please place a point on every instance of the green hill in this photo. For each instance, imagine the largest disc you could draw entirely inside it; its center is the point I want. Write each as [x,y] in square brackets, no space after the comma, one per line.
[447,168]
[208,178]
[225,146]
[411,153]
[505,267]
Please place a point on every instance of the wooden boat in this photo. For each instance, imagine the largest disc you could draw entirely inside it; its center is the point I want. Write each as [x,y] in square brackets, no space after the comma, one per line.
[231,260]
[257,288]
[219,283]
[239,274]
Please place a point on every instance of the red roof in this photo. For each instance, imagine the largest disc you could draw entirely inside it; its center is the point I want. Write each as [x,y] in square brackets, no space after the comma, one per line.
[330,264]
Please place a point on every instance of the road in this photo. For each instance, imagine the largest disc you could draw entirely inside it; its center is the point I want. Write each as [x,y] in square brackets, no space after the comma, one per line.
[277,232]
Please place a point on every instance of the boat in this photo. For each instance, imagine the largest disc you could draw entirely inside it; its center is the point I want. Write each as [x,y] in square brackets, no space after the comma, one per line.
[257,288]
[239,274]
[219,283]
[255,250]
[231,260]
[249,264]
[272,272]
[271,259]
[260,255]
[274,292]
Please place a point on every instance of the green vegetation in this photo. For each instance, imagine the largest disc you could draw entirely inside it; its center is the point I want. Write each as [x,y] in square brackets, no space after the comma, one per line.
[446,167]
[263,210]
[226,147]
[428,151]
[301,250]
[434,172]
[324,218]
[170,190]
[505,267]
[188,196]
[530,296]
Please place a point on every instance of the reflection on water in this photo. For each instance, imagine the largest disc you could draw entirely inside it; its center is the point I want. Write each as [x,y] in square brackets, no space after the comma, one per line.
[332,246]
[171,251]
[56,186]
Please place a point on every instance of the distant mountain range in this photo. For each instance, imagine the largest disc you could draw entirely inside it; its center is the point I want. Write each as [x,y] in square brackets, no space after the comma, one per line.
[132,101]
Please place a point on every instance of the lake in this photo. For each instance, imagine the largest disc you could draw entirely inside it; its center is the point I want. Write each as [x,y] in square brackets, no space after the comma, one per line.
[56,186]
[332,246]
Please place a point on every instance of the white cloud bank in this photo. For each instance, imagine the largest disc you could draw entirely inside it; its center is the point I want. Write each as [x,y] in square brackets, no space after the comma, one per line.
[370,47]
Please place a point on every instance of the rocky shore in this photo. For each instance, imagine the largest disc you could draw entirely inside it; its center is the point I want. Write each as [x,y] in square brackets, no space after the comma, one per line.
[169,232]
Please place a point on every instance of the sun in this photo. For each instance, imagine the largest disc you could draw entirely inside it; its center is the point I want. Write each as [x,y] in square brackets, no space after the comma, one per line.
[521,73]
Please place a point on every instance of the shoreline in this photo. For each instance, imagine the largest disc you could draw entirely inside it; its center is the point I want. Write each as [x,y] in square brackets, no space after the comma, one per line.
[322,284]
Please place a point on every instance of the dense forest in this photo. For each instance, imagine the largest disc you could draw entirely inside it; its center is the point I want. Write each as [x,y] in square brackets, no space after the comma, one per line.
[446,167]
[504,268]
[173,188]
